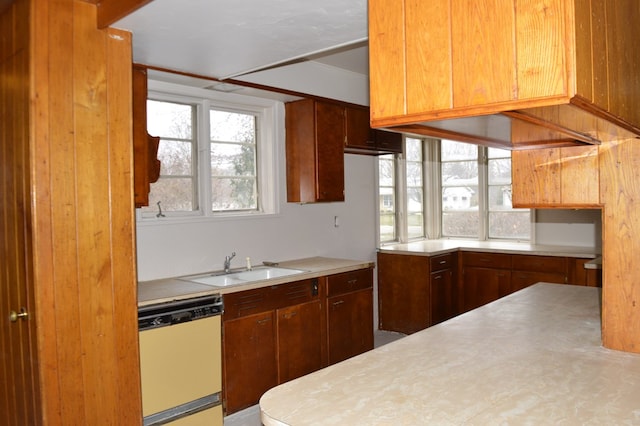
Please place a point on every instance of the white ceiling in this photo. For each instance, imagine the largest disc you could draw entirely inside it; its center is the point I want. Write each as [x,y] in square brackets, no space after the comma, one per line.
[288,44]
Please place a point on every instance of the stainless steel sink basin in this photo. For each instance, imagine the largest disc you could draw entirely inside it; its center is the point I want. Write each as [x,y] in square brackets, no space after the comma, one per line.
[242,277]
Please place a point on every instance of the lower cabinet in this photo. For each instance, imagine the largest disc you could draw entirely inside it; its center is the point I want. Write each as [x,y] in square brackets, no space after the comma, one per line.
[249,359]
[274,334]
[485,278]
[418,291]
[299,340]
[349,314]
[415,292]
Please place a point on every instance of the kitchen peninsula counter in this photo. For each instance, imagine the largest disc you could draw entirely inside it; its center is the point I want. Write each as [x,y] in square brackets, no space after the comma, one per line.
[169,289]
[434,247]
[532,357]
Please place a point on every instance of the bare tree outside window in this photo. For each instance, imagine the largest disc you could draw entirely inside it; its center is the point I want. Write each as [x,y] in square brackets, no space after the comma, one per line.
[176,187]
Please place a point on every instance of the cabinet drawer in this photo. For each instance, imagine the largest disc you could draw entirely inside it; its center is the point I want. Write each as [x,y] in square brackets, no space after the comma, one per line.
[246,302]
[486,260]
[540,263]
[441,262]
[294,293]
[349,281]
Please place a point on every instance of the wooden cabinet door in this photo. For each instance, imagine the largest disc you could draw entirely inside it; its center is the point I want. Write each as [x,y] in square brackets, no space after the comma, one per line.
[441,287]
[249,359]
[350,324]
[403,292]
[483,285]
[299,340]
[358,131]
[330,136]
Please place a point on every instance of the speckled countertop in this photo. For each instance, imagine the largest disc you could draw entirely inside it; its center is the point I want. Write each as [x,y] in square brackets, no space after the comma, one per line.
[168,289]
[433,247]
[533,357]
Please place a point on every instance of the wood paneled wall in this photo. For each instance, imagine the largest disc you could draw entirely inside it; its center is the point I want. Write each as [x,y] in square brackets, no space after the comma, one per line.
[19,396]
[67,215]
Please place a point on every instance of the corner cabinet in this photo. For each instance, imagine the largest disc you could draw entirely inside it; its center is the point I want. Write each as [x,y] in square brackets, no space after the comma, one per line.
[414,291]
[314,146]
[546,65]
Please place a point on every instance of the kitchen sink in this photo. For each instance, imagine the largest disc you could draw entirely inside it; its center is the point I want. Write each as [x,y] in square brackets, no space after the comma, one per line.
[242,277]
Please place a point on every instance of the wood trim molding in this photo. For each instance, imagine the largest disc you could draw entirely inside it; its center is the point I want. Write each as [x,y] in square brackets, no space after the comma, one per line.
[109,11]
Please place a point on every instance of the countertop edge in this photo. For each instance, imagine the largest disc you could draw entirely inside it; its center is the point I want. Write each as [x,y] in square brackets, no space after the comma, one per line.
[436,247]
[175,288]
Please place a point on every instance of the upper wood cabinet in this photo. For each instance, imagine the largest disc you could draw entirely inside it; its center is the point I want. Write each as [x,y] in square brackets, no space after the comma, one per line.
[314,145]
[146,166]
[362,139]
[565,68]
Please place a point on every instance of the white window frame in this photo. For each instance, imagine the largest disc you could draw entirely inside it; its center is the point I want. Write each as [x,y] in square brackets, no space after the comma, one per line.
[270,129]
[432,181]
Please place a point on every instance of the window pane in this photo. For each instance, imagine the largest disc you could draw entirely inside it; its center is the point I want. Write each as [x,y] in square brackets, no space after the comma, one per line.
[460,224]
[174,194]
[233,194]
[232,126]
[512,224]
[169,120]
[500,171]
[500,197]
[456,151]
[176,187]
[175,157]
[413,149]
[387,197]
[234,183]
[232,160]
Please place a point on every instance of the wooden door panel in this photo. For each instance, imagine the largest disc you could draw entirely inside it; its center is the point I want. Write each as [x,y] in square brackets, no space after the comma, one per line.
[249,359]
[350,324]
[299,340]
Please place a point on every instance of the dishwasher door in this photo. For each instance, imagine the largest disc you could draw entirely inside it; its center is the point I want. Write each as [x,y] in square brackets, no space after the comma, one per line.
[181,373]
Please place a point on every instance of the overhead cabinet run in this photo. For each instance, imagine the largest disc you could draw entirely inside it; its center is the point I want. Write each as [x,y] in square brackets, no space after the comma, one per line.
[554,72]
[318,135]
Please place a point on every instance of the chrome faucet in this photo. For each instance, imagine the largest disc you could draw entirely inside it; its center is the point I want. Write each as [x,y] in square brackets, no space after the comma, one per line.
[227,262]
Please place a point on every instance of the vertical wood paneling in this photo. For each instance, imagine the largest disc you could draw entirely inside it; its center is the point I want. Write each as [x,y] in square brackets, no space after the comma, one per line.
[428,52]
[19,402]
[580,175]
[536,177]
[543,46]
[387,66]
[620,192]
[83,226]
[483,55]
[623,61]
[125,313]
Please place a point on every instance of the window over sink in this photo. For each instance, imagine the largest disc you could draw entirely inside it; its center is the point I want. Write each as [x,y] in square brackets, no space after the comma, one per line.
[217,152]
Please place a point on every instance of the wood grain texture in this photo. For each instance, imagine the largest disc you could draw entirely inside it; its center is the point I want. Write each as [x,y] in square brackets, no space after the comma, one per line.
[620,192]
[428,55]
[84,266]
[109,11]
[387,67]
[483,60]
[544,49]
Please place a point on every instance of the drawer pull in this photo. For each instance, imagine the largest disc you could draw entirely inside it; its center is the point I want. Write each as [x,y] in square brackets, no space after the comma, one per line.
[263,321]
[352,282]
[339,302]
[442,262]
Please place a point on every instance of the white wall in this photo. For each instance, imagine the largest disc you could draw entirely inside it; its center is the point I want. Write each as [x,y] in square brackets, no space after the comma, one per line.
[581,228]
[298,231]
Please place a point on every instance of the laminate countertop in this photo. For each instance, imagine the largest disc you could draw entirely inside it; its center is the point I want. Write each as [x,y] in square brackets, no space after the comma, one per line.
[433,247]
[533,357]
[170,289]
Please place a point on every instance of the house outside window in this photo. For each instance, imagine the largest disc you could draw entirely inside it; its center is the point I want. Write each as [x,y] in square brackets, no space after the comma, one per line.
[451,190]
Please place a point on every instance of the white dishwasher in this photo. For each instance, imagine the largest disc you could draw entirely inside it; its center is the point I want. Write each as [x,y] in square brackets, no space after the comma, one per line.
[180,362]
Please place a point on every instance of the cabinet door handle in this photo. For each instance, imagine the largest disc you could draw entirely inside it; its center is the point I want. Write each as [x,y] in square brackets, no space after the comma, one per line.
[437,277]
[263,321]
[289,315]
[339,302]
